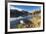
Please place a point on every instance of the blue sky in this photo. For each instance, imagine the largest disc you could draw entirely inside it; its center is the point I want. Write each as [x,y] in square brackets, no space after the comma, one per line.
[26,8]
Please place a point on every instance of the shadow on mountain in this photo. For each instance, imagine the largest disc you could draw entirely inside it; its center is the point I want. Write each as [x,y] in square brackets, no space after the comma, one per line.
[16,13]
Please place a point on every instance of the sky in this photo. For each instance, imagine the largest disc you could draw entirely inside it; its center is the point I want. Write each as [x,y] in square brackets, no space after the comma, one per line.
[25,8]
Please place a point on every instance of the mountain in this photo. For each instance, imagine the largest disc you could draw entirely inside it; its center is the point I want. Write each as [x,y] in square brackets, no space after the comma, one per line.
[17,13]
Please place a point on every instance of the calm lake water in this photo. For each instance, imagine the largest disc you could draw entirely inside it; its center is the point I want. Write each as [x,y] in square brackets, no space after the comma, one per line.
[15,21]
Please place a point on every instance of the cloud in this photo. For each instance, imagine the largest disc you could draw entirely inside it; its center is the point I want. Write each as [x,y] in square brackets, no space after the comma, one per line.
[13,8]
